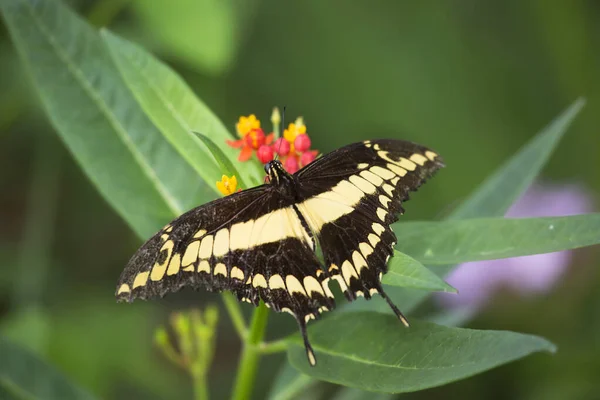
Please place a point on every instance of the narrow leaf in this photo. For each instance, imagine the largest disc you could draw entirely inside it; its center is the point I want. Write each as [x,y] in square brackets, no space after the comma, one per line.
[176,110]
[139,173]
[490,238]
[500,190]
[405,271]
[379,354]
[225,164]
[24,376]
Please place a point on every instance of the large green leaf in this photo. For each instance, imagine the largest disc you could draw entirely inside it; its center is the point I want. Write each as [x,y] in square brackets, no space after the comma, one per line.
[122,152]
[24,376]
[490,238]
[379,354]
[405,271]
[176,110]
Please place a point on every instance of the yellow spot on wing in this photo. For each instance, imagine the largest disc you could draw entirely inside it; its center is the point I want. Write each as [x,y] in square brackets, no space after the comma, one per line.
[189,268]
[191,253]
[365,249]
[371,177]
[220,269]
[294,285]
[362,165]
[206,247]
[382,172]
[378,228]
[340,282]
[389,189]
[200,233]
[407,164]
[204,266]
[418,158]
[312,285]
[381,213]
[348,271]
[259,281]
[373,239]
[240,235]
[359,261]
[362,184]
[431,155]
[384,200]
[327,289]
[237,273]
[140,279]
[174,265]
[397,170]
[276,282]
[221,245]
[124,288]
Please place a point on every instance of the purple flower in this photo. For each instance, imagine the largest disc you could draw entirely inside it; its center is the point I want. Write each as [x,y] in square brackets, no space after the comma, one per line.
[477,281]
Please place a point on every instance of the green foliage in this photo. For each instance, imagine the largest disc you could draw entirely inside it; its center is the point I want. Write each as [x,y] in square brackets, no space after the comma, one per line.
[405,271]
[379,354]
[24,377]
[176,110]
[128,120]
[457,241]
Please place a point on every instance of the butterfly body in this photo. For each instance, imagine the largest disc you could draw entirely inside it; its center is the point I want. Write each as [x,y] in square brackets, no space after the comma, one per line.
[261,243]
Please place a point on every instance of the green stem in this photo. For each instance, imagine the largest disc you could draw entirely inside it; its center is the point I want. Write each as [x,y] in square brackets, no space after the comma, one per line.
[276,346]
[235,313]
[200,387]
[248,366]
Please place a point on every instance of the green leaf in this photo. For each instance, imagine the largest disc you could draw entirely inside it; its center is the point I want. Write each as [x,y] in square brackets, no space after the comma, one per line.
[291,384]
[177,111]
[24,376]
[225,164]
[379,354]
[135,168]
[405,271]
[500,190]
[491,238]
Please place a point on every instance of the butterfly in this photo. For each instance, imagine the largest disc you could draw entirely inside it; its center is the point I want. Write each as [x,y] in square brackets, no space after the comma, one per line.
[284,241]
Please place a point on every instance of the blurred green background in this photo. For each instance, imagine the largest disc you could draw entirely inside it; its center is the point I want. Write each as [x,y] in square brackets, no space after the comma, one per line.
[473,80]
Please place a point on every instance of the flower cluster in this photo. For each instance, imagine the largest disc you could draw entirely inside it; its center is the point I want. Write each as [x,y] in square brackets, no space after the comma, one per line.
[293,147]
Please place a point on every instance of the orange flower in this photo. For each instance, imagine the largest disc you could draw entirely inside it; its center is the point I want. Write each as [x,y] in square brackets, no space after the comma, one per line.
[292,131]
[227,185]
[252,137]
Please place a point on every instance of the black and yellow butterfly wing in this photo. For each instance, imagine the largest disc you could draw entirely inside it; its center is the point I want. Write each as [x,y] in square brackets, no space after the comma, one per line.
[261,243]
[360,189]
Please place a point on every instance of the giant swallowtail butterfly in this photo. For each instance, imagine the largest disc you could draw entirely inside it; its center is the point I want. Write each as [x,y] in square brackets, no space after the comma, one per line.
[261,243]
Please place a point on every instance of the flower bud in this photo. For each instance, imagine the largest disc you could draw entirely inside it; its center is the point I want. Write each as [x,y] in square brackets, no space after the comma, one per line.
[265,154]
[302,143]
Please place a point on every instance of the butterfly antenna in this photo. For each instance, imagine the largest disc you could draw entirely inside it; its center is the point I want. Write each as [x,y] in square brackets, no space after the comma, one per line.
[310,353]
[281,131]
[398,313]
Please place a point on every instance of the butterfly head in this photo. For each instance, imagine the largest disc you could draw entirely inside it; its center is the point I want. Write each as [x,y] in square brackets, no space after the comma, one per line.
[277,174]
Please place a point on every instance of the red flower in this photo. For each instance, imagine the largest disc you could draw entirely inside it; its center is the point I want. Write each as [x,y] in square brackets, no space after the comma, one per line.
[302,143]
[265,153]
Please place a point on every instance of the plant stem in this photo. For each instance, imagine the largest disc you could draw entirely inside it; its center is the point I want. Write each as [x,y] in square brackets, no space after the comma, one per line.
[276,346]
[248,365]
[200,387]
[235,313]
